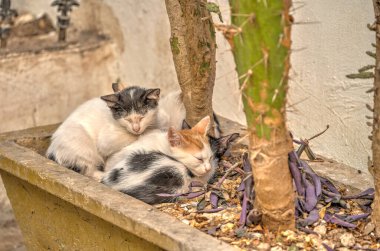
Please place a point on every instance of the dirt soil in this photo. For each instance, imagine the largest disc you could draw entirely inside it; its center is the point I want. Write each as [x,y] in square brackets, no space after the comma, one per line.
[225,226]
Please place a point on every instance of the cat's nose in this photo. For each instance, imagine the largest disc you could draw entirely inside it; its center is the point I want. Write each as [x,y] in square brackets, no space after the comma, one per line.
[207,167]
[136,127]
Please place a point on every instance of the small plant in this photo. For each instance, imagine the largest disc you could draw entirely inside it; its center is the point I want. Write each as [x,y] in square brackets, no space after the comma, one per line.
[63,19]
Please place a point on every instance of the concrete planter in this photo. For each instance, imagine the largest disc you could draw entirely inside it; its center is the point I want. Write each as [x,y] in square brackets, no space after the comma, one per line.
[58,209]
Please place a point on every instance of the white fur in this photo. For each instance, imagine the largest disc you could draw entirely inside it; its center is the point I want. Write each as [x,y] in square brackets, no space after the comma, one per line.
[150,141]
[88,136]
[137,124]
[171,111]
[128,181]
[158,141]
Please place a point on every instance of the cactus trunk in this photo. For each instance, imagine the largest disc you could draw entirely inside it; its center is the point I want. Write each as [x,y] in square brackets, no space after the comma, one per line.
[261,49]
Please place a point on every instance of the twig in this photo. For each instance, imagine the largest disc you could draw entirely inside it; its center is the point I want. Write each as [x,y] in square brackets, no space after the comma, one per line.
[319,134]
[226,174]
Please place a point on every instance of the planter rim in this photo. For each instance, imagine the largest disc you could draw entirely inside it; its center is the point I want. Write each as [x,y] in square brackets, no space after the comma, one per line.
[122,210]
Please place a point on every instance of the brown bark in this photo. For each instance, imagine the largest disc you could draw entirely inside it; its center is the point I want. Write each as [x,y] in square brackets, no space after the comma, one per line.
[376,130]
[193,46]
[273,182]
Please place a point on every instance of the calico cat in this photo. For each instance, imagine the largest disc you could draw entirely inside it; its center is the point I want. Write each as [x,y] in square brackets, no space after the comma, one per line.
[102,126]
[166,162]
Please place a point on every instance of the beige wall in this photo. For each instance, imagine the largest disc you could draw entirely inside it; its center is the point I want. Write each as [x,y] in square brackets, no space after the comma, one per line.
[141,30]
[331,46]
[324,51]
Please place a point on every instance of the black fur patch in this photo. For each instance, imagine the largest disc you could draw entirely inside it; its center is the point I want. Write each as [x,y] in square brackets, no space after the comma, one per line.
[51,156]
[217,123]
[141,161]
[219,146]
[164,180]
[165,176]
[214,144]
[133,99]
[100,167]
[113,176]
[190,173]
[74,167]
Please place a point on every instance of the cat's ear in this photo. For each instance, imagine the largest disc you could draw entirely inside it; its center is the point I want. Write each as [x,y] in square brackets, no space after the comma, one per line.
[175,138]
[116,87]
[202,126]
[185,125]
[225,141]
[111,100]
[222,144]
[153,94]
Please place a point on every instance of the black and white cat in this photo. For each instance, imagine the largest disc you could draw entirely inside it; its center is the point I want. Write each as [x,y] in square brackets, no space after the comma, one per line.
[102,126]
[166,162]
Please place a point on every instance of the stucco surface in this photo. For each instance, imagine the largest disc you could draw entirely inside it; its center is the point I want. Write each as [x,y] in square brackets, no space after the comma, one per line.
[141,30]
[43,88]
[329,43]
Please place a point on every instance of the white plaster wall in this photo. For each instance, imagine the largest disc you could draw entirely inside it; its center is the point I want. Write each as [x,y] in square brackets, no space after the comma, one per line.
[331,46]
[41,89]
[142,30]
[327,49]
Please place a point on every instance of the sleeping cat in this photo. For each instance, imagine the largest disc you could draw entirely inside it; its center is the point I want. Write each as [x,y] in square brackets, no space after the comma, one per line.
[102,126]
[166,162]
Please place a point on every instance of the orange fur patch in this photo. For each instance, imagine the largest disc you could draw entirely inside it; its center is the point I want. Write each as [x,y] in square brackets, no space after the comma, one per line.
[192,142]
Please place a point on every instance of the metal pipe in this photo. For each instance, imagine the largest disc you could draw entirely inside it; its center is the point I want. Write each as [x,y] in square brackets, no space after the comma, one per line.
[63,19]
[6,20]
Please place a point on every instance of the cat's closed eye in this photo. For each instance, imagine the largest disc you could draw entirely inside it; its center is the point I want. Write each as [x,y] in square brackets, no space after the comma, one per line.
[199,158]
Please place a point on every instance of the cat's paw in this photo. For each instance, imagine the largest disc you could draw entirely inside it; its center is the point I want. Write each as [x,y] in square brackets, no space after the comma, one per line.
[200,170]
[97,175]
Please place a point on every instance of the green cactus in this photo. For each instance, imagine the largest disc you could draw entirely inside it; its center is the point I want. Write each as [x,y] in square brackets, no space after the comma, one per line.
[261,49]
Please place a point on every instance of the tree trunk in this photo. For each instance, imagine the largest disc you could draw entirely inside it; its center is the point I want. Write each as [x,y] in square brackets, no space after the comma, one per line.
[376,130]
[261,49]
[193,47]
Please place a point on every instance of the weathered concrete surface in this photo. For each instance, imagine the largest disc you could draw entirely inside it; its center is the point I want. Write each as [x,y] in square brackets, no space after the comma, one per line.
[141,32]
[10,234]
[43,87]
[50,223]
[343,174]
[58,197]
